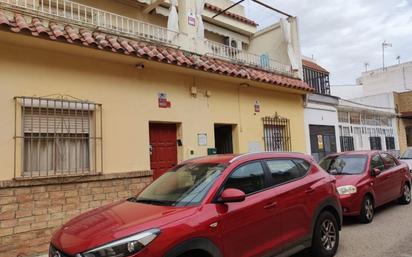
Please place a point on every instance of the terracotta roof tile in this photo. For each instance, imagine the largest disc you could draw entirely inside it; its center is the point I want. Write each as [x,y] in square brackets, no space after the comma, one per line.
[71,34]
[314,66]
[235,16]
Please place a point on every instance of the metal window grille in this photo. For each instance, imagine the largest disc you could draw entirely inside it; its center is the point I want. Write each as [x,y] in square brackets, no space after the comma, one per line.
[375,143]
[57,137]
[346,143]
[390,143]
[276,132]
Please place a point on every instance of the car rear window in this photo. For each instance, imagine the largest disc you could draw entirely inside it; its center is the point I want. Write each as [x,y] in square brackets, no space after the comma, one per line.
[346,165]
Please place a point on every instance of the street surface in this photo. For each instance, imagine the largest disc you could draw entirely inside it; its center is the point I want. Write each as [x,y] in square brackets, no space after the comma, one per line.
[389,235]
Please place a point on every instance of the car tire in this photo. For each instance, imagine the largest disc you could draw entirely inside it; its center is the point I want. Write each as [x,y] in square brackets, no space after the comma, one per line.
[367,210]
[406,195]
[325,240]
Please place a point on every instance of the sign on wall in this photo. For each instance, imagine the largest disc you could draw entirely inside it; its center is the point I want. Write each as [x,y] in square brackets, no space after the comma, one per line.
[257,106]
[162,101]
[191,19]
[202,139]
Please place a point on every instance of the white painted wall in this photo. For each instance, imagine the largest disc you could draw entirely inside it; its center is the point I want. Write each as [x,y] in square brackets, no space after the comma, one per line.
[381,104]
[320,114]
[396,78]
[346,91]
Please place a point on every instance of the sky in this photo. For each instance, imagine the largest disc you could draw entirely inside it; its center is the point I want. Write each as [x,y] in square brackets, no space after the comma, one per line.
[343,35]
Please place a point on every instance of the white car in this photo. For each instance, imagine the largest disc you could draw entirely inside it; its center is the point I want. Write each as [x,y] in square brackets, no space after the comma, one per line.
[406,157]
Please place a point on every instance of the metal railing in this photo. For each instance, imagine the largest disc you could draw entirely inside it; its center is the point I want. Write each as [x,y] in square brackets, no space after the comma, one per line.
[245,58]
[93,17]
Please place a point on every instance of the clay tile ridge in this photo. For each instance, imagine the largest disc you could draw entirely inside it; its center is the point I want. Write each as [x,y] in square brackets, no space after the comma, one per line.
[84,37]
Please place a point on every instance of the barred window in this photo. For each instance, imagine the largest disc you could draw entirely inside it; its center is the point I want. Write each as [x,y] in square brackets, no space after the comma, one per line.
[343,117]
[390,143]
[276,132]
[57,137]
[375,143]
[355,118]
[346,143]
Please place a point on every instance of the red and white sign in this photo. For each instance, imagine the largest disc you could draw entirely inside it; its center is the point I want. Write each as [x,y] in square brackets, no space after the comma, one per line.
[162,101]
[191,20]
[257,106]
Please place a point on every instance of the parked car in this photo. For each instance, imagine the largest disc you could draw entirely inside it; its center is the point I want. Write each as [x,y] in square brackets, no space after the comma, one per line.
[261,204]
[406,157]
[368,179]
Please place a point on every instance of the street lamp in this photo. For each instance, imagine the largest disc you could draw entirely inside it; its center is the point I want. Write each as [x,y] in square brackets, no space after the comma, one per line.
[384,45]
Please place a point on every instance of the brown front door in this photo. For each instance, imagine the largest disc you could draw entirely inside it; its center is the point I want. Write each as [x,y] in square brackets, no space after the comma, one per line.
[163,154]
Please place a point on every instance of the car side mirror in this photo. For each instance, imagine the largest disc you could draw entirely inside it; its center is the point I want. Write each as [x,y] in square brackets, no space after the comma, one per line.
[232,195]
[376,172]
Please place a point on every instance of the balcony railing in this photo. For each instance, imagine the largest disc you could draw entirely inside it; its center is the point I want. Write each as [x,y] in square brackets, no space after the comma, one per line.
[245,58]
[98,19]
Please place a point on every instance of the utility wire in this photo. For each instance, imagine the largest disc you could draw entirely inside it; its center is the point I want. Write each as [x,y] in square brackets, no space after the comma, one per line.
[367,105]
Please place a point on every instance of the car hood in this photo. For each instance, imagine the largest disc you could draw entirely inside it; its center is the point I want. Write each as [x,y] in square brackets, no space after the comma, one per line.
[114,221]
[345,180]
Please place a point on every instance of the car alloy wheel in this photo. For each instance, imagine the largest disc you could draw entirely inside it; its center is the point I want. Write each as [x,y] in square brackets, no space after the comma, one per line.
[328,235]
[369,209]
[406,196]
[325,240]
[407,193]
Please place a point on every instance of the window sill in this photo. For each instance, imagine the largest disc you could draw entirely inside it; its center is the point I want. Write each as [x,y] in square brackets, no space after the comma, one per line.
[66,179]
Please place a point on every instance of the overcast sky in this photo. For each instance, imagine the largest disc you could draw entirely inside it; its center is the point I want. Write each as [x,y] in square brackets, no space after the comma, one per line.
[344,34]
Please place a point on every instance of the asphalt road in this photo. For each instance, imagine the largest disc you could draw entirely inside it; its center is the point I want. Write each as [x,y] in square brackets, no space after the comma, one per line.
[389,235]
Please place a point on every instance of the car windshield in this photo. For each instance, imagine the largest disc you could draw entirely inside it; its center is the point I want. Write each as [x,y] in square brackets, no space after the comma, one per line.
[407,154]
[184,185]
[347,165]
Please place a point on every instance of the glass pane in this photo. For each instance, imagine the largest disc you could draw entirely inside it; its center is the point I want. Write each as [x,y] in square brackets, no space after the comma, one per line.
[249,178]
[283,171]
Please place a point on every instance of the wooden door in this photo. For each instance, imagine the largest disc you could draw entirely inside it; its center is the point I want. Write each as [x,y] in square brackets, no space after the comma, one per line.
[163,154]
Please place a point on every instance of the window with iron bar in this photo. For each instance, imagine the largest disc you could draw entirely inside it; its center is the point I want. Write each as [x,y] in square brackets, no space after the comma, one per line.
[57,137]
[276,131]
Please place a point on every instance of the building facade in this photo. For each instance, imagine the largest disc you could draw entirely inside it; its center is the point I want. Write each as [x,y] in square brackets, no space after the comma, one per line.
[394,81]
[369,123]
[395,78]
[321,119]
[99,97]
[403,103]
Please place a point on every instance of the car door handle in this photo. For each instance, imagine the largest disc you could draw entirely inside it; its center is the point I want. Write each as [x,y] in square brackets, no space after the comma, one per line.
[270,205]
[309,191]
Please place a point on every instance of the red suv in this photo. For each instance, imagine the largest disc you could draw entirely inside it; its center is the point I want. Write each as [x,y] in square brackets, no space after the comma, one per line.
[368,179]
[261,204]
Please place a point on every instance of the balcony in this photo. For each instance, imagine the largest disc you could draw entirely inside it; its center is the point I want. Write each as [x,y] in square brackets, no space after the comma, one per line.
[83,15]
[235,55]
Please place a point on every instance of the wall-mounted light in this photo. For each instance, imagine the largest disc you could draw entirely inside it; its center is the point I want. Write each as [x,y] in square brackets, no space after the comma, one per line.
[140,66]
[193,91]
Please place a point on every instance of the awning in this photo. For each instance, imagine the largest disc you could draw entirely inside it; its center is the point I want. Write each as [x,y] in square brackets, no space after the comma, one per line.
[225,32]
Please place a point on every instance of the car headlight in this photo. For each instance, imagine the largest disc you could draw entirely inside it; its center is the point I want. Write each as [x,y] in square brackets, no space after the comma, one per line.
[347,190]
[124,247]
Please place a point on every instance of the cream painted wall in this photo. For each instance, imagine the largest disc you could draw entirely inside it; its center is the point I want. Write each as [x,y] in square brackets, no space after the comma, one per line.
[129,99]
[269,41]
[132,11]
